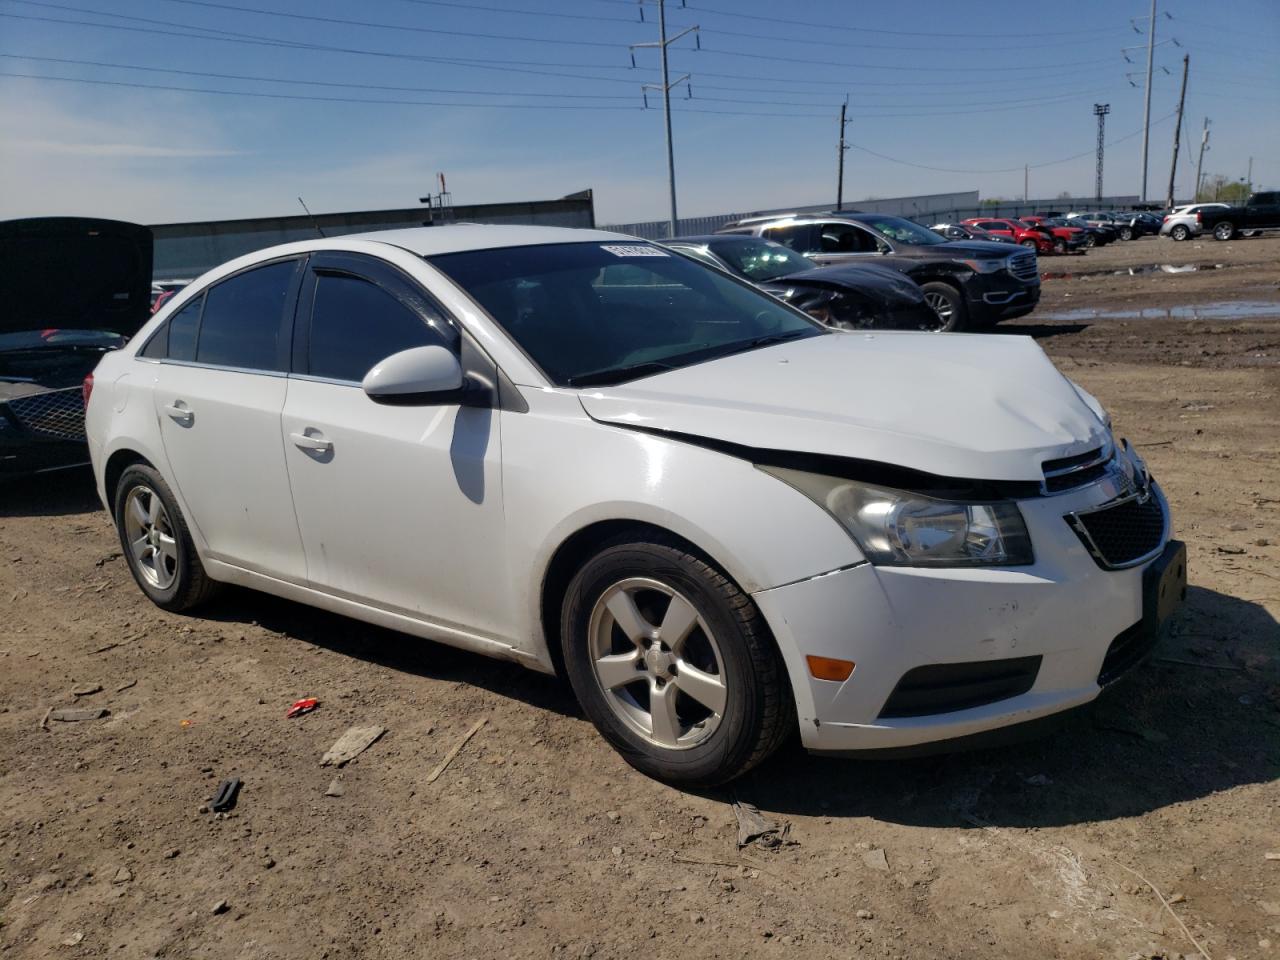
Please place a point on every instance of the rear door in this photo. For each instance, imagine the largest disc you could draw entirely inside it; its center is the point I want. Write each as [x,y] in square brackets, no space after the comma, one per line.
[400,506]
[218,395]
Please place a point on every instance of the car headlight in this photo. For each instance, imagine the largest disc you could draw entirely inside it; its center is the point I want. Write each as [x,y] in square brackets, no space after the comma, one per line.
[900,528]
[985,266]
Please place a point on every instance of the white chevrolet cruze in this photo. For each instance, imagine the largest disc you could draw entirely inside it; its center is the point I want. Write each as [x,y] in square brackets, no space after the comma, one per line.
[575,450]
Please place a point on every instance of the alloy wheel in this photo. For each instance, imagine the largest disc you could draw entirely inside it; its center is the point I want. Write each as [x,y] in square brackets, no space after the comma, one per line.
[658,663]
[149,533]
[942,307]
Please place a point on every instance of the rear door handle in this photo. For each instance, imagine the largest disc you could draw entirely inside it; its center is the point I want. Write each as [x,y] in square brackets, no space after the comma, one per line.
[314,442]
[180,411]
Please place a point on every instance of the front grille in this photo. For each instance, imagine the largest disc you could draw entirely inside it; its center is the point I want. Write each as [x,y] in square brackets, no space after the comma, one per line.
[1121,535]
[947,687]
[1023,266]
[57,414]
[1126,651]
[1067,473]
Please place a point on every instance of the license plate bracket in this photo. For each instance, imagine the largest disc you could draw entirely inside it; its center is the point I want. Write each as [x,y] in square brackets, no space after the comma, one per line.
[1164,587]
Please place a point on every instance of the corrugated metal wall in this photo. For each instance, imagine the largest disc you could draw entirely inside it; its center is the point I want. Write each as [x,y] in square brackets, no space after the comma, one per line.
[186,250]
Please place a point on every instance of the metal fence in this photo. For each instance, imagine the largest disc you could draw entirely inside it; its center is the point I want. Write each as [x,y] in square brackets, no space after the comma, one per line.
[927,210]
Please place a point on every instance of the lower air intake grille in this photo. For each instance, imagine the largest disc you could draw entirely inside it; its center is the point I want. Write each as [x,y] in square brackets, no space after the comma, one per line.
[58,414]
[1122,535]
[1125,652]
[946,687]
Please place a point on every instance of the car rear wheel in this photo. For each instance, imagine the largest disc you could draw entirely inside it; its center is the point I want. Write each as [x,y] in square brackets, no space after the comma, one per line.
[1180,232]
[156,542]
[1224,231]
[1059,246]
[1031,244]
[947,305]
[674,664]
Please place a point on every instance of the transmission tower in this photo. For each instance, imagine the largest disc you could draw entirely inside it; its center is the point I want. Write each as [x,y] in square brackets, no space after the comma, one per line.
[1100,110]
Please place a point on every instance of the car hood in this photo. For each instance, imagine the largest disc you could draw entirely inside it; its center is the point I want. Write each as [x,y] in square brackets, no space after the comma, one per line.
[972,407]
[871,278]
[74,273]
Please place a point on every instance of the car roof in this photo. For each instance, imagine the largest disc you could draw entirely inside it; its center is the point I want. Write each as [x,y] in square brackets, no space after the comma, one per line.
[705,239]
[457,238]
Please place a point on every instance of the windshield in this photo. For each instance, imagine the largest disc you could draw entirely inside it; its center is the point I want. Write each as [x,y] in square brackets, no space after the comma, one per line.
[601,313]
[904,231]
[760,260]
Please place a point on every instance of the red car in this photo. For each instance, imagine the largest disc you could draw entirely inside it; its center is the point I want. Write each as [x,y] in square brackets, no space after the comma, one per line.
[1037,238]
[1066,239]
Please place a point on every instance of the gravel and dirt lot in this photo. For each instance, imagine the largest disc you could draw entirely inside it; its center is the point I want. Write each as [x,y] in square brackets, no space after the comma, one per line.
[537,841]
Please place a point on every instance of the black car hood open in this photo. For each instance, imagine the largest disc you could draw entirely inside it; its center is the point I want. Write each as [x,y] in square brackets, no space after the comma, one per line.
[74,273]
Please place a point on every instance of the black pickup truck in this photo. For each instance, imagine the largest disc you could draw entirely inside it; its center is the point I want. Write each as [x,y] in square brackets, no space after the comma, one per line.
[1260,212]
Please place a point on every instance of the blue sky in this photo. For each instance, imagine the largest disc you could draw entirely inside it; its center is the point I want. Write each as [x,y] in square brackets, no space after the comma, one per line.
[543,102]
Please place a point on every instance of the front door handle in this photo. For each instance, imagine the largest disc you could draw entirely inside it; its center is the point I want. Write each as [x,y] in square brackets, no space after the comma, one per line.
[180,412]
[313,442]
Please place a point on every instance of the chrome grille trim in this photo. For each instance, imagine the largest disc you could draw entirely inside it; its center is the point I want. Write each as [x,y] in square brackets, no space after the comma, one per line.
[1024,266]
[1050,487]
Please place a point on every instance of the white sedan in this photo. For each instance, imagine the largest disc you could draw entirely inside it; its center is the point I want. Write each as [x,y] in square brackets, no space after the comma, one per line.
[574,450]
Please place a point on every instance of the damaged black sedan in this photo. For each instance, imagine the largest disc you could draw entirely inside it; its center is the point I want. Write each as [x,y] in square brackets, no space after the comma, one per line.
[71,289]
[847,296]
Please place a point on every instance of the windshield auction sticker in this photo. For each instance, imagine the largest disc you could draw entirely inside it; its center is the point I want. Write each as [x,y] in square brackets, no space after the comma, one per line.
[633,250]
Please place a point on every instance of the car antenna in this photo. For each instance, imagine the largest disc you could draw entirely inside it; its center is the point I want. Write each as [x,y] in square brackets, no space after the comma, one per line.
[314,222]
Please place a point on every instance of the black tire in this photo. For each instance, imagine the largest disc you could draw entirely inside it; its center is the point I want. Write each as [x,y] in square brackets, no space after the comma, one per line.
[948,304]
[758,714]
[1126,233]
[191,585]
[1060,246]
[1180,232]
[1090,241]
[1226,230]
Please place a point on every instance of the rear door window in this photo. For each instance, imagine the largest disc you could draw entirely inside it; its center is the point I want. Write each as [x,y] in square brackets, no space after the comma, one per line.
[356,323]
[242,319]
[800,237]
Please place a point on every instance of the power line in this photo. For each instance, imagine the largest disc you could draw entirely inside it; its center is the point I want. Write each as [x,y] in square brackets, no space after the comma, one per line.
[1032,166]
[388,102]
[703,8]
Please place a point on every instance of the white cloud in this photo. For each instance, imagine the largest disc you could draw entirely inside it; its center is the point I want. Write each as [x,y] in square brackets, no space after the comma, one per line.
[128,150]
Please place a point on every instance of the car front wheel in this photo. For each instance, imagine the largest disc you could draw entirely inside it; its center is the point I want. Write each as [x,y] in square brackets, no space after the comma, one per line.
[674,664]
[947,305]
[1126,233]
[156,542]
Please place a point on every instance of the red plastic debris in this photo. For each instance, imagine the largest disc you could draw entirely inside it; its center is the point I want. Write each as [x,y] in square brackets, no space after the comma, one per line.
[305,705]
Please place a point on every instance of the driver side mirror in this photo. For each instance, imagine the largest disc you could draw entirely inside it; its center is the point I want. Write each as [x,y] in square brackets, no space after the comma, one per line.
[418,376]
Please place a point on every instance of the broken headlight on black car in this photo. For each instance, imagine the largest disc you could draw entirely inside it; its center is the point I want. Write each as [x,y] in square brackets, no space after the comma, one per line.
[832,308]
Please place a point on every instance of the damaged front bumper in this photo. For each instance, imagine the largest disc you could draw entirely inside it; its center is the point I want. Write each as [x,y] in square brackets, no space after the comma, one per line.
[946,654]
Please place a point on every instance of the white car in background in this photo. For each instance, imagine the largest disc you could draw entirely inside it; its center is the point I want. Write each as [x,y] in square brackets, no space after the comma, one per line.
[575,450]
[1182,223]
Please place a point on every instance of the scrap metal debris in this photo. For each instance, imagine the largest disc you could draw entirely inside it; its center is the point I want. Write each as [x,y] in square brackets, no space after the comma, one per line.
[87,690]
[305,705]
[351,744]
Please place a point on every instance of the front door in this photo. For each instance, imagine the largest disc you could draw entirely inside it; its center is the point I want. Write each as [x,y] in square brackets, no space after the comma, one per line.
[219,392]
[399,506]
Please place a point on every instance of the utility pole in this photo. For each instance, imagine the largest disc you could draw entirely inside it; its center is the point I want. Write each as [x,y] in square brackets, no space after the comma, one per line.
[1204,145]
[1146,109]
[840,150]
[1250,179]
[1025,176]
[1177,130]
[1100,110]
[666,86]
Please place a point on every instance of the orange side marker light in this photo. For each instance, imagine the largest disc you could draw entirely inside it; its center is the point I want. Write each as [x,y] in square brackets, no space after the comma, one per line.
[828,668]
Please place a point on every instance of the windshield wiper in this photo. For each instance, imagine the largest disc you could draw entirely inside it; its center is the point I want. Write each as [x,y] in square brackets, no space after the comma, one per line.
[613,375]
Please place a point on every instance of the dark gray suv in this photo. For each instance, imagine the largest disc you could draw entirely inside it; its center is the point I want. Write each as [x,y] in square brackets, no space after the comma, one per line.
[970,284]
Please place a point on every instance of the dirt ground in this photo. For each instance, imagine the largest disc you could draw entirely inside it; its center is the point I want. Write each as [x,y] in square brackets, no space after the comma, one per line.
[539,842]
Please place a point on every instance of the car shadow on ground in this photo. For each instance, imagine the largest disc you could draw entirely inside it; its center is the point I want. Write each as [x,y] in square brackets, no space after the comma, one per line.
[1041,331]
[1168,733]
[391,649]
[58,493]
